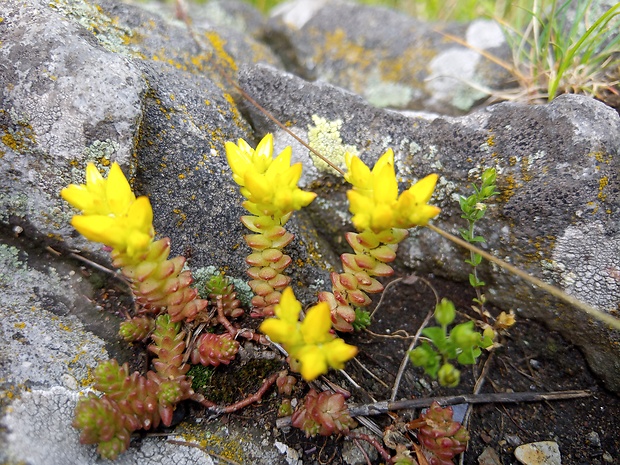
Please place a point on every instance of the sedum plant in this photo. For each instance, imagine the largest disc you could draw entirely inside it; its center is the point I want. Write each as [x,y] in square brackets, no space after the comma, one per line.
[132,401]
[382,218]
[441,437]
[323,414]
[310,344]
[270,188]
[112,215]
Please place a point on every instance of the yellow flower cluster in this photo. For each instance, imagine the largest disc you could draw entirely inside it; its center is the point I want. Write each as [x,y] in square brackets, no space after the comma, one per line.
[374,199]
[111,213]
[269,184]
[270,187]
[309,342]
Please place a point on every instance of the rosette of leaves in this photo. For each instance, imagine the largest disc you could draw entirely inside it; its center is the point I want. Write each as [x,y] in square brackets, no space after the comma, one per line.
[324,414]
[220,285]
[441,437]
[214,349]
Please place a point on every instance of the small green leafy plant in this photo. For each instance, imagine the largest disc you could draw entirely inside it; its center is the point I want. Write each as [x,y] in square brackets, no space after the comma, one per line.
[462,344]
[474,208]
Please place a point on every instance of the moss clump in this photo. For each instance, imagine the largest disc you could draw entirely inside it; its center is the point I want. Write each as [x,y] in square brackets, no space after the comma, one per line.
[231,384]
[201,377]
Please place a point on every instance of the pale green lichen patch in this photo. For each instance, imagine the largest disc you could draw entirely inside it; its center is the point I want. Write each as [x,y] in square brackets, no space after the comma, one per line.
[100,153]
[385,94]
[9,256]
[325,138]
[111,35]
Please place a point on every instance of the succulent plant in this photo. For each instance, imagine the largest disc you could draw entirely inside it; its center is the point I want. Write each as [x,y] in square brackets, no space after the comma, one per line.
[440,436]
[325,414]
[214,349]
[169,347]
[403,456]
[137,328]
[219,285]
[159,283]
[101,422]
[285,409]
[285,383]
[270,188]
[134,394]
[373,252]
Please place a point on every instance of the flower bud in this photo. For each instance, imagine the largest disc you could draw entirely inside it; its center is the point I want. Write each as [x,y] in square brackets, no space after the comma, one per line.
[448,375]
[445,312]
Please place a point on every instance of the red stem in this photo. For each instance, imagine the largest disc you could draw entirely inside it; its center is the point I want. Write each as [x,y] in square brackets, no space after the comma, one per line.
[234,332]
[373,442]
[238,405]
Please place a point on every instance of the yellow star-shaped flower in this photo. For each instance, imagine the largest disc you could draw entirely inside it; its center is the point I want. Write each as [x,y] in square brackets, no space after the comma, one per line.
[111,214]
[269,184]
[310,342]
[374,199]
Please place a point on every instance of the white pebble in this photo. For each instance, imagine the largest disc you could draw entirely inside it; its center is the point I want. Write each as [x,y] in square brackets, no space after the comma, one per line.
[539,453]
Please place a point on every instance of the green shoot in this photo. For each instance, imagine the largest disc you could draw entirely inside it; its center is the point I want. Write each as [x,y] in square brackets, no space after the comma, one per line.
[462,344]
[362,319]
[474,208]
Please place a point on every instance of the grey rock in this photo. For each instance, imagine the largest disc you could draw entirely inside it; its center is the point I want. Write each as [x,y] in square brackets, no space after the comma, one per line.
[358,453]
[238,15]
[107,81]
[45,416]
[513,439]
[593,439]
[556,216]
[390,59]
[63,99]
[115,82]
[608,458]
[40,327]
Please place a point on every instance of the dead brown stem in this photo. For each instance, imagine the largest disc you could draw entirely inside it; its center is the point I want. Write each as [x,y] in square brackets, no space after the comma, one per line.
[501,397]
